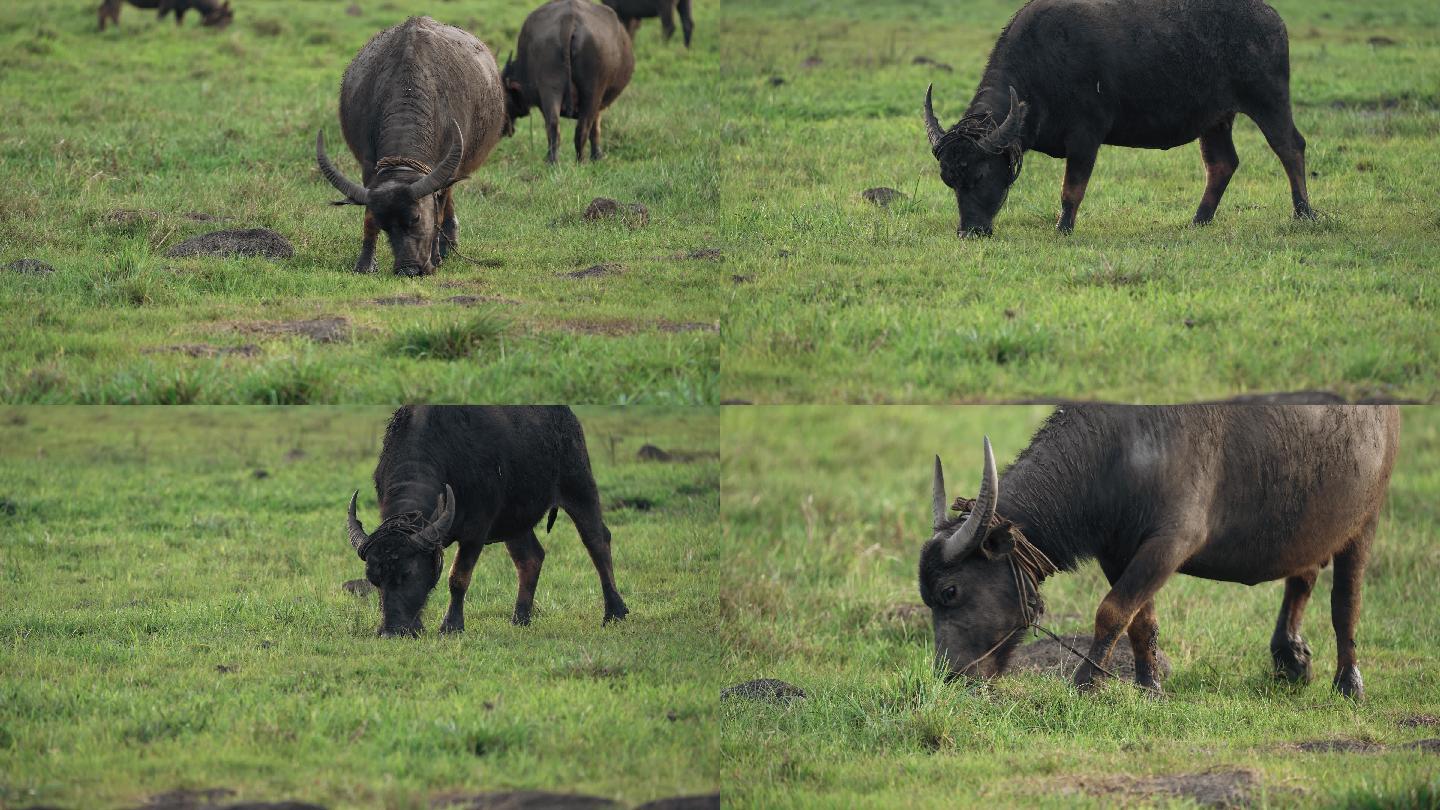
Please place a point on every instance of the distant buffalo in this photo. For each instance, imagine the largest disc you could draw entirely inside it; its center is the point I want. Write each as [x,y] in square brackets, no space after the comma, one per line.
[573,60]
[1066,76]
[476,475]
[631,12]
[1237,493]
[212,13]
[421,106]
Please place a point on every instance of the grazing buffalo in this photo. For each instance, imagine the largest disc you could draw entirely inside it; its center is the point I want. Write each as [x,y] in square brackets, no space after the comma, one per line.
[421,107]
[1069,75]
[631,12]
[1238,493]
[573,61]
[482,475]
[212,13]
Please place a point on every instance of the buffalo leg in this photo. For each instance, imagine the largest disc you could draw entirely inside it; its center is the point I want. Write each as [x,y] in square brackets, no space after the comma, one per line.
[1148,570]
[595,151]
[1287,648]
[460,571]
[552,129]
[1345,611]
[686,22]
[1144,632]
[528,555]
[583,126]
[1079,162]
[449,226]
[1278,126]
[631,26]
[1217,149]
[667,18]
[584,510]
[366,261]
[109,10]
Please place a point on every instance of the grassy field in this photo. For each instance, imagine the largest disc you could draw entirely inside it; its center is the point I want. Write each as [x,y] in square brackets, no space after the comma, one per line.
[171,619]
[112,144]
[825,510]
[839,300]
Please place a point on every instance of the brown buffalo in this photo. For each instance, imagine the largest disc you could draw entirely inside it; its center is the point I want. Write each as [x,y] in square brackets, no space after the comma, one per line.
[212,13]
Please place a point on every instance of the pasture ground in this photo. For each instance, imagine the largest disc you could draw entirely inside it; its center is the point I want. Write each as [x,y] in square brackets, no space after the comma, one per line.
[115,146]
[171,616]
[825,510]
[838,299]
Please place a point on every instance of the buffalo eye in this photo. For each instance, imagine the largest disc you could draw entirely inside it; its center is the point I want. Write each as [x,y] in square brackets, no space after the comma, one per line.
[948,595]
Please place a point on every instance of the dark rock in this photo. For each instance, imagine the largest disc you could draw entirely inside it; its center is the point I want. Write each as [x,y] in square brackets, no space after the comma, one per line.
[248,242]
[763,689]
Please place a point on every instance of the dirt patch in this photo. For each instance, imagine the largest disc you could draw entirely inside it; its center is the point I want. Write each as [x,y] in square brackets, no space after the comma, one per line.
[214,799]
[401,301]
[246,242]
[763,689]
[320,330]
[637,504]
[359,587]
[1381,42]
[353,10]
[1046,656]
[523,800]
[707,802]
[1339,747]
[602,209]
[472,300]
[1430,746]
[33,266]
[127,216]
[882,196]
[708,254]
[597,270]
[1207,789]
[925,60]
[201,216]
[205,350]
[1420,720]
[685,326]
[649,452]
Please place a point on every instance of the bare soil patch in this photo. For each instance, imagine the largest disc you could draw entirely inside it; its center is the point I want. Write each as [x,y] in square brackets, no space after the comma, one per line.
[632,215]
[359,587]
[523,800]
[597,270]
[33,266]
[205,350]
[1420,720]
[472,300]
[1219,788]
[321,330]
[763,689]
[881,196]
[1046,656]
[1430,746]
[708,254]
[245,242]
[401,301]
[1340,747]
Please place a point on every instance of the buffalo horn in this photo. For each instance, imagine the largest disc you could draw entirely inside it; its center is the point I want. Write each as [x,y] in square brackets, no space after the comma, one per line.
[932,126]
[436,533]
[354,192]
[444,173]
[358,537]
[937,495]
[968,536]
[1009,129]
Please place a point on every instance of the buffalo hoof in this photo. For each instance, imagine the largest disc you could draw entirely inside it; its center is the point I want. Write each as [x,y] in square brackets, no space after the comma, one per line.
[1151,688]
[452,628]
[615,613]
[1064,228]
[1292,660]
[365,264]
[1304,211]
[1201,220]
[407,632]
[521,617]
[1349,683]
[411,271]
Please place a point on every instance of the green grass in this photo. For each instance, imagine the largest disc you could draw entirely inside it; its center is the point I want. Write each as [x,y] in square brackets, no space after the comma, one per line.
[845,301]
[825,510]
[166,122]
[144,553]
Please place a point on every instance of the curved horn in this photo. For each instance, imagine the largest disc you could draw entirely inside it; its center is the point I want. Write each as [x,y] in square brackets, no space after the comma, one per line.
[937,495]
[434,535]
[443,174]
[968,536]
[1009,129]
[358,537]
[932,127]
[353,191]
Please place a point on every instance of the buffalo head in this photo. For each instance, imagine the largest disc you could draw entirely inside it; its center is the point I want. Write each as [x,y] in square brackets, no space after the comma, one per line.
[219,16]
[969,584]
[403,203]
[979,159]
[515,105]
[403,558]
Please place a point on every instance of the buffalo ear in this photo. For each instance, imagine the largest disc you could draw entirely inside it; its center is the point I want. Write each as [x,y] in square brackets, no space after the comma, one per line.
[998,543]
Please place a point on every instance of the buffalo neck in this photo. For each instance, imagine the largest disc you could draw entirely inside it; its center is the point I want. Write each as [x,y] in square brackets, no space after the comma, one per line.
[409,486]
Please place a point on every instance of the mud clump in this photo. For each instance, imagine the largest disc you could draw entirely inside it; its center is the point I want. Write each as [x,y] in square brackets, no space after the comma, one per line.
[925,60]
[524,800]
[881,196]
[1430,746]
[248,242]
[1420,720]
[359,587]
[472,300]
[32,266]
[1207,789]
[401,301]
[1048,657]
[597,271]
[1340,747]
[709,801]
[763,689]
[320,330]
[633,215]
[709,254]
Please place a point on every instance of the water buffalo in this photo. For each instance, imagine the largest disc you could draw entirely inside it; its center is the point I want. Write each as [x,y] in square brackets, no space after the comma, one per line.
[421,107]
[631,12]
[212,13]
[573,60]
[1226,492]
[482,475]
[1066,76]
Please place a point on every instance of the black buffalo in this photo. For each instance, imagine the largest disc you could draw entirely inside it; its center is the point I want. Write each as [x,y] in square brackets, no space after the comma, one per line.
[1066,76]
[212,12]
[1236,493]
[631,12]
[573,60]
[421,107]
[479,475]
